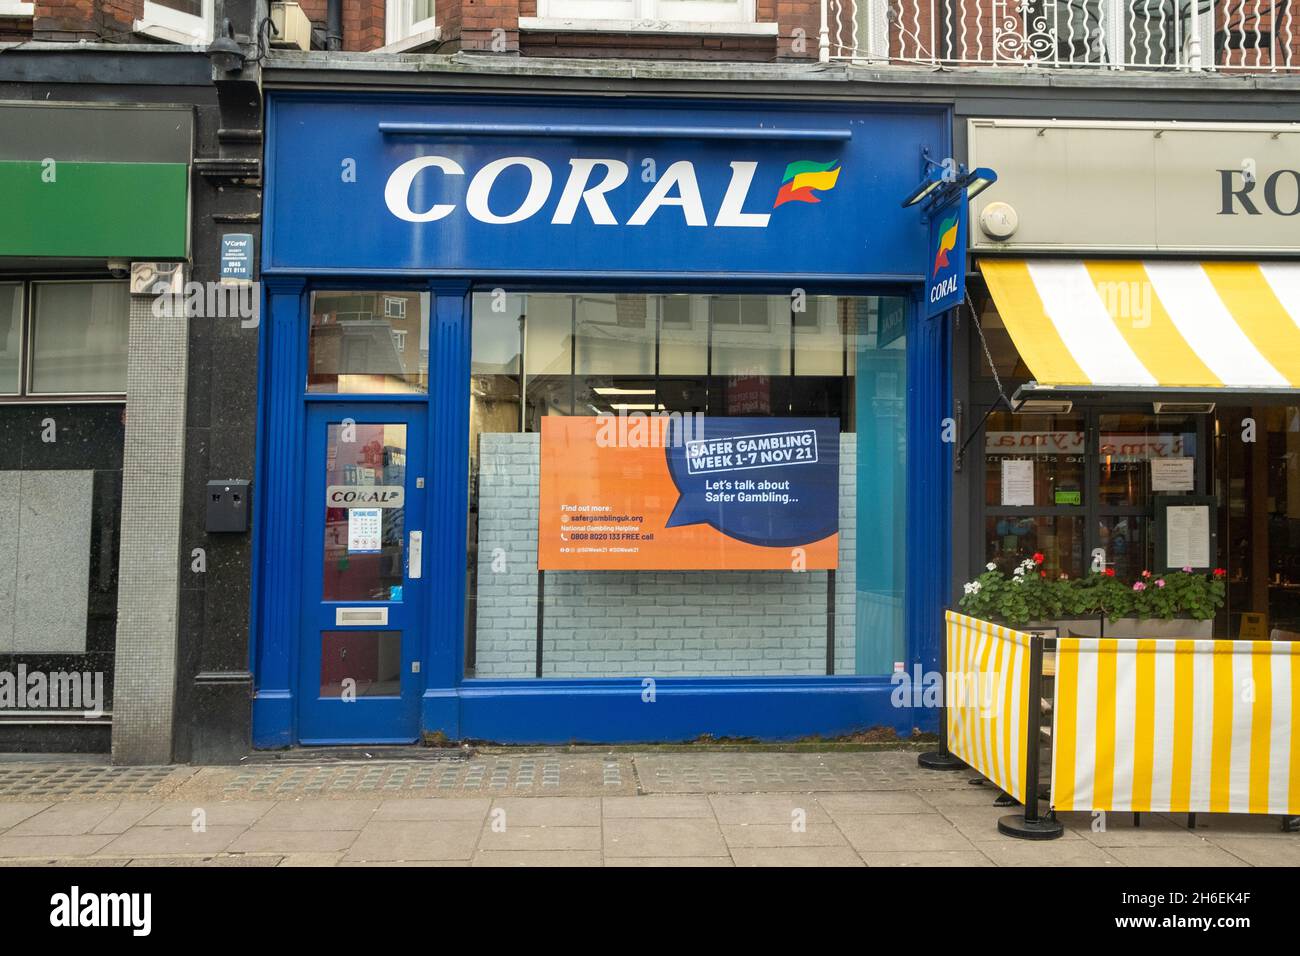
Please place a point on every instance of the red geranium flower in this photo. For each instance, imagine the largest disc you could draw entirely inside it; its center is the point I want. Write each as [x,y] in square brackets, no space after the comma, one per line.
[1042,574]
[1219,572]
[1109,572]
[1038,557]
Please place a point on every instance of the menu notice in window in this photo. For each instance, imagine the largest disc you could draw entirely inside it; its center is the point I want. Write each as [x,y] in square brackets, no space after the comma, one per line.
[688,492]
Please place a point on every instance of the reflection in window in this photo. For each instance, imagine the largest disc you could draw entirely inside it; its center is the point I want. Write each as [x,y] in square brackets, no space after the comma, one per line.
[368,342]
[79,337]
[11,326]
[1034,460]
[370,660]
[364,529]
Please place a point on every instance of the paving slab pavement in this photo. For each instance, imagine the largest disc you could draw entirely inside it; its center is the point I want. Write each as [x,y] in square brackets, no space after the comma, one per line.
[576,808]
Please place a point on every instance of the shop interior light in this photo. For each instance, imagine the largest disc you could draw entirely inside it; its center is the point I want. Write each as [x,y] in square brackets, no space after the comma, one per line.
[613,390]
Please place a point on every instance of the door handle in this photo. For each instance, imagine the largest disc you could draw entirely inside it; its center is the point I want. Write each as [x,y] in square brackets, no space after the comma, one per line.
[414,555]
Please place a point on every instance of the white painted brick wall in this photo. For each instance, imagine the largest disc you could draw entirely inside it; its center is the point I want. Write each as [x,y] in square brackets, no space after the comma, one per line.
[645,623]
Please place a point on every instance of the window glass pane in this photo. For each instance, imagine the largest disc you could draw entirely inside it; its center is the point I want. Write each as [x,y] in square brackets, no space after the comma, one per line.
[1129,544]
[422,10]
[683,335]
[621,355]
[372,659]
[368,342]
[364,545]
[616,335]
[1144,454]
[11,325]
[79,337]
[751,335]
[1033,460]
[1010,539]
[193,7]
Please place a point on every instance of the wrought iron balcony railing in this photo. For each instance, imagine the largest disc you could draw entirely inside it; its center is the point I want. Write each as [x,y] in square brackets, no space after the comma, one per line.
[1254,36]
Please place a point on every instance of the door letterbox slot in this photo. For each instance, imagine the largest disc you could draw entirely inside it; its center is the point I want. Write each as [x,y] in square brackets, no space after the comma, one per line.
[360,615]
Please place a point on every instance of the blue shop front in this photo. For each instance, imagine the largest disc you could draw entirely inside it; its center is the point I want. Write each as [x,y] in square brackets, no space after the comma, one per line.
[596,420]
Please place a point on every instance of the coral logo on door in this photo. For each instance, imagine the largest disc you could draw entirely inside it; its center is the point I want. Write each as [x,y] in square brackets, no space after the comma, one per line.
[801,179]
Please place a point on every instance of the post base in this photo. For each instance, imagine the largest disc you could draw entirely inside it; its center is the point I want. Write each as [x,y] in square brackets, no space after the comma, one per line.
[1005,799]
[939,760]
[1015,825]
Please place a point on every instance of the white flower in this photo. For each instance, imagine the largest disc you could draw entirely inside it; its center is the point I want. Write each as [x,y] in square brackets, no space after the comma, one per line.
[972,587]
[990,566]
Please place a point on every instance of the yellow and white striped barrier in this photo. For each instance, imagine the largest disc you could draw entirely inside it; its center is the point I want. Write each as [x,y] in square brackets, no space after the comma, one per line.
[1176,725]
[986,697]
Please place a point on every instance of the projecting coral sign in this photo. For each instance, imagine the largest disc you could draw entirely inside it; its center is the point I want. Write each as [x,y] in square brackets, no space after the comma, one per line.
[689,493]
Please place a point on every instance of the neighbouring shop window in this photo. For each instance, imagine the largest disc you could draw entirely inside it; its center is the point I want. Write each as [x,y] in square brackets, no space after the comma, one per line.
[63,338]
[11,336]
[1258,484]
[1034,474]
[834,367]
[364,343]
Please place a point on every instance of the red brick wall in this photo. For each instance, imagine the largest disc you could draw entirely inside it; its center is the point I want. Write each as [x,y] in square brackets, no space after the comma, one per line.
[648,47]
[363,21]
[800,23]
[86,19]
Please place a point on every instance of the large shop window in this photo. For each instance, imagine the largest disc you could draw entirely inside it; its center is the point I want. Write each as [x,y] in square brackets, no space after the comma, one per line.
[562,385]
[63,339]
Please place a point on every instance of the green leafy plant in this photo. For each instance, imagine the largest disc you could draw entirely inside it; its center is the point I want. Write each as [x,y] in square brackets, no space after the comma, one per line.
[1028,593]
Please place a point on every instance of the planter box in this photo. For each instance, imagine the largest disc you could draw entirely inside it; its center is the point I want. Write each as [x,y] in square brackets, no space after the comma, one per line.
[1156,628]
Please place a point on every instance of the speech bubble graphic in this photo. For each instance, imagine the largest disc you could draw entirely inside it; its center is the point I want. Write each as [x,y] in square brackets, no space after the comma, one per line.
[772,482]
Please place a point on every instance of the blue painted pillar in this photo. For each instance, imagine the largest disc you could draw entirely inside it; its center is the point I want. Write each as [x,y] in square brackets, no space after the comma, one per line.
[929,492]
[449,368]
[277,500]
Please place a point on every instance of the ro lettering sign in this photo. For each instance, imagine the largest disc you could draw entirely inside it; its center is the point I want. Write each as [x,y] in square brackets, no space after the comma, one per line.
[1256,193]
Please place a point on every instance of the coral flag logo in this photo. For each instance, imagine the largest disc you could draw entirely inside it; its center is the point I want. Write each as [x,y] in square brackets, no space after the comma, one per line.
[947,242]
[803,177]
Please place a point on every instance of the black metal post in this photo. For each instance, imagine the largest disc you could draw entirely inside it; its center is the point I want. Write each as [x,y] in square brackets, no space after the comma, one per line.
[1031,826]
[943,758]
[830,623]
[541,615]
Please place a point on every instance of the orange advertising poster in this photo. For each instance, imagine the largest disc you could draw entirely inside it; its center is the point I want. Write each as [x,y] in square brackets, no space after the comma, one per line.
[688,493]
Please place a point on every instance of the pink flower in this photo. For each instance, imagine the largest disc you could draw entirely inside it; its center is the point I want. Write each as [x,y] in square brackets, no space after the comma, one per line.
[1139,586]
[1146,574]
[1187,570]
[1160,582]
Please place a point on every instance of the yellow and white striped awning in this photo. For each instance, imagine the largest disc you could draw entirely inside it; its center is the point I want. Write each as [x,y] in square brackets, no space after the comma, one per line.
[1152,324]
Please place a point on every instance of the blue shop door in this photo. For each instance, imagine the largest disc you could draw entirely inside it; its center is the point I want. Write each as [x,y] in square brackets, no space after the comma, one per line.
[363,614]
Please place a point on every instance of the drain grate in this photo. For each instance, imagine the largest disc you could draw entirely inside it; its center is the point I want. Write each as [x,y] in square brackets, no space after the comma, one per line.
[37,781]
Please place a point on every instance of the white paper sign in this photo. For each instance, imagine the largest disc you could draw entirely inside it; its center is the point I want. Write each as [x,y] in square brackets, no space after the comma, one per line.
[365,526]
[1187,536]
[1017,482]
[1173,474]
